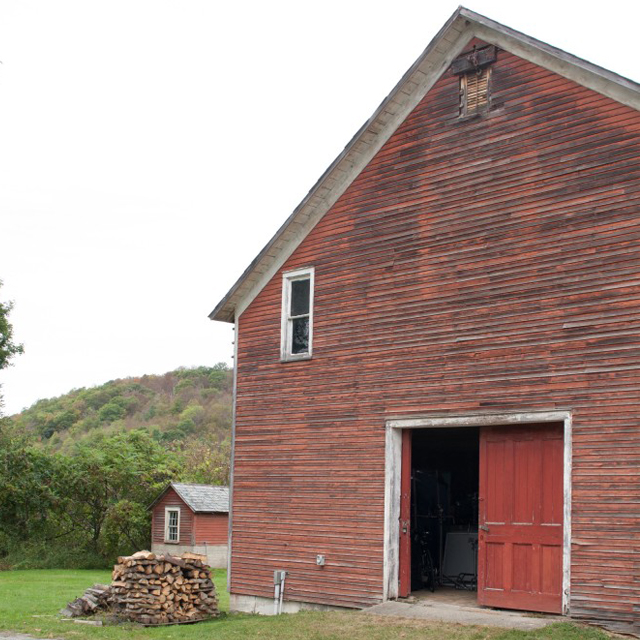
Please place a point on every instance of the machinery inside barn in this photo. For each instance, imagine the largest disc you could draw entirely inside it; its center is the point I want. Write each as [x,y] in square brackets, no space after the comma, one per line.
[444,509]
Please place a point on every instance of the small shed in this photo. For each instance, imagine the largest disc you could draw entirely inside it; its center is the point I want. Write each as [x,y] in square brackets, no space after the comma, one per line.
[191,517]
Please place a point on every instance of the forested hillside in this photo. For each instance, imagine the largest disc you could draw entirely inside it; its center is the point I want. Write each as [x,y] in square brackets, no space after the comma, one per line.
[172,408]
[78,472]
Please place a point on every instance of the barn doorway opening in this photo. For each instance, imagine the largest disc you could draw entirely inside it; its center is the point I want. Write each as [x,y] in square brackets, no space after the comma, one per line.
[444,510]
[523,516]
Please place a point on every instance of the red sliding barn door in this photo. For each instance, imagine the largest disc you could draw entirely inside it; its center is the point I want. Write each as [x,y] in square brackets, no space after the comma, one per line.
[521,517]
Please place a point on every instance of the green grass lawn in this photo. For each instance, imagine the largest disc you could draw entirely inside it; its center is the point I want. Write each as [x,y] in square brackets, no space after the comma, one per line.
[30,601]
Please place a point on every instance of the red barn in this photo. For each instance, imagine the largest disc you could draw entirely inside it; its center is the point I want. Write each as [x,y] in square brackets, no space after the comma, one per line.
[192,517]
[438,378]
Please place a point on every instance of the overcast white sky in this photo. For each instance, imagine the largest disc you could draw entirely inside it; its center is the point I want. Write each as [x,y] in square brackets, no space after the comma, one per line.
[149,149]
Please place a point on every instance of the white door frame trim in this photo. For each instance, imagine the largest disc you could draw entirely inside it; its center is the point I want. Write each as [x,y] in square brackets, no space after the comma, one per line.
[393,467]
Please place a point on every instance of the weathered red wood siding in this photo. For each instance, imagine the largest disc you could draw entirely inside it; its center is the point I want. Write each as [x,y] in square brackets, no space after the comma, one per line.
[482,265]
[212,528]
[171,499]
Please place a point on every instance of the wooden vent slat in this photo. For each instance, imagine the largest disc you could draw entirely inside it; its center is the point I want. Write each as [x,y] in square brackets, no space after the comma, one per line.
[474,92]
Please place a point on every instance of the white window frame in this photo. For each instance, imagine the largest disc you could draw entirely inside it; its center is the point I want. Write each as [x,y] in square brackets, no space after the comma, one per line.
[286,328]
[167,539]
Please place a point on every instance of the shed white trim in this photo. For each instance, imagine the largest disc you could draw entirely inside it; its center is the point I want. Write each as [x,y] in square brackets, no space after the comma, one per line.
[171,529]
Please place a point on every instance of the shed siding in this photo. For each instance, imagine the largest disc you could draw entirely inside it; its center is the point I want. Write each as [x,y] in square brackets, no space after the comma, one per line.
[171,499]
[211,528]
[490,264]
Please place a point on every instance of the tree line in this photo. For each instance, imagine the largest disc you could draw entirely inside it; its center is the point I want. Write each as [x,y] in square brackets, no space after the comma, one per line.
[78,472]
[83,504]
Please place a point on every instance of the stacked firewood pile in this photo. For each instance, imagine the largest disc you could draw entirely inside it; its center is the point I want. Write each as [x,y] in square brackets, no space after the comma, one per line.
[153,589]
[94,599]
[161,589]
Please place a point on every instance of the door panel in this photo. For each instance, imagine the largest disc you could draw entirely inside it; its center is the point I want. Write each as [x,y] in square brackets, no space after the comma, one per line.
[521,517]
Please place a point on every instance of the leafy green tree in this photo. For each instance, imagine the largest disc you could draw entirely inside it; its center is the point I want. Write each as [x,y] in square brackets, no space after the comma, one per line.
[128,403]
[103,472]
[178,406]
[126,527]
[219,375]
[185,427]
[60,421]
[150,413]
[98,396]
[8,348]
[206,462]
[195,413]
[27,487]
[111,412]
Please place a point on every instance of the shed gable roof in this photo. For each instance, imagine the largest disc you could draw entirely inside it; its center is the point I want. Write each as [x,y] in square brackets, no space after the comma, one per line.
[462,27]
[200,498]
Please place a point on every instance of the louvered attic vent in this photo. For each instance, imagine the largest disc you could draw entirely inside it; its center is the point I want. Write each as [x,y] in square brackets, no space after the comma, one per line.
[474,92]
[474,71]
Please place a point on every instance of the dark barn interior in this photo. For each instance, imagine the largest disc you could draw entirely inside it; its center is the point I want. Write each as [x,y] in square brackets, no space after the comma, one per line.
[444,508]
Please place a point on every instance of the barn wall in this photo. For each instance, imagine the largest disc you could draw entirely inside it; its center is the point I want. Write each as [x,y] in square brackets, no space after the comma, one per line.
[489,264]
[171,499]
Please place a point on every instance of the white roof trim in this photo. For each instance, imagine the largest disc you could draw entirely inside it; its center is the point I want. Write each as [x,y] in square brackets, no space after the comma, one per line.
[414,85]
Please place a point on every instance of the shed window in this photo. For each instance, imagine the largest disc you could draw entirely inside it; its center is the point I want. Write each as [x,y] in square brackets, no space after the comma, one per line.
[297,314]
[172,525]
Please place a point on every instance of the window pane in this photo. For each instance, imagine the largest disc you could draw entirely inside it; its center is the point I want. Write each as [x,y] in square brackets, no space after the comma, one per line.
[300,297]
[300,335]
[172,528]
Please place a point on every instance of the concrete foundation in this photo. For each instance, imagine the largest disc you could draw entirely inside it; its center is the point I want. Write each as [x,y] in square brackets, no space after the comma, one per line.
[264,606]
[441,611]
[443,606]
[216,553]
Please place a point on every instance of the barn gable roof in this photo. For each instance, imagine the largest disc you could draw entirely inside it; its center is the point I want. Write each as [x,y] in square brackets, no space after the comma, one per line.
[414,85]
[200,498]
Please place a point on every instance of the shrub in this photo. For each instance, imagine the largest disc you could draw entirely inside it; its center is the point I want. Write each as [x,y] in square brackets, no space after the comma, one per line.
[59,555]
[195,413]
[111,412]
[186,426]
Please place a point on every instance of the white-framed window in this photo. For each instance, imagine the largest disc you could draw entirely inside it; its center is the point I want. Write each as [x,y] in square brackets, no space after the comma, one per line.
[297,314]
[172,524]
